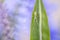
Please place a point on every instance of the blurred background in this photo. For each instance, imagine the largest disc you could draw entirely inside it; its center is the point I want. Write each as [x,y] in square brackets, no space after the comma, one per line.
[19,13]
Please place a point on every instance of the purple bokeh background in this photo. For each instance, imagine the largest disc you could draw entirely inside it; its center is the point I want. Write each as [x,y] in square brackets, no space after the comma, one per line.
[21,12]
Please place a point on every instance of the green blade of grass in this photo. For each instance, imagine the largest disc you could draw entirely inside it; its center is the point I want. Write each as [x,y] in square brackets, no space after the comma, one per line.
[45,26]
[34,33]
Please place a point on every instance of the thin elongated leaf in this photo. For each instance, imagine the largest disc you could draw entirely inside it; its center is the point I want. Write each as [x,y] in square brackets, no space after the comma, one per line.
[34,34]
[45,26]
[35,24]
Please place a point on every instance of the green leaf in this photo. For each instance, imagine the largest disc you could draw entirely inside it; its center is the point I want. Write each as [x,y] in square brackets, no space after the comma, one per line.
[34,33]
[39,15]
[45,26]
